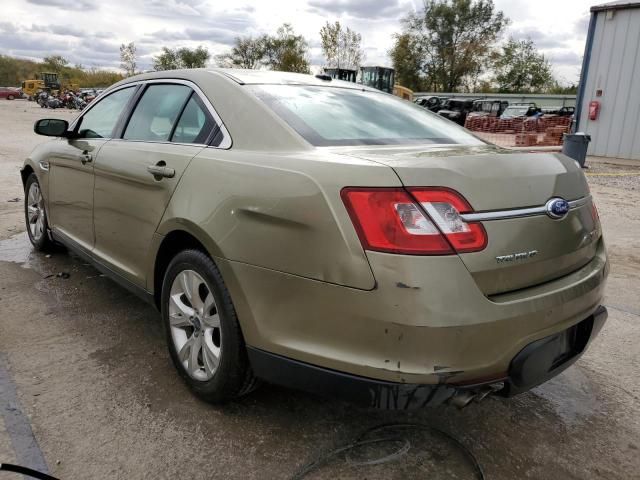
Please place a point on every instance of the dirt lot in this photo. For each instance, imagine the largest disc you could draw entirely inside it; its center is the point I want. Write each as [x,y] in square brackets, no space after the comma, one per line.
[86,385]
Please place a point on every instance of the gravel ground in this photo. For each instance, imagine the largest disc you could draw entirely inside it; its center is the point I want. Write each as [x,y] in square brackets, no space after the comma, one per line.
[623,177]
[93,382]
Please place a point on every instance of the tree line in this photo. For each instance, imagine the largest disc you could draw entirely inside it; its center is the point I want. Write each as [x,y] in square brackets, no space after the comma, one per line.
[446,46]
[284,51]
[13,71]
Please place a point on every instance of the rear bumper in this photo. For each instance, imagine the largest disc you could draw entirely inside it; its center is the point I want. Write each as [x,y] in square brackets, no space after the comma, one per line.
[545,358]
[426,322]
[538,362]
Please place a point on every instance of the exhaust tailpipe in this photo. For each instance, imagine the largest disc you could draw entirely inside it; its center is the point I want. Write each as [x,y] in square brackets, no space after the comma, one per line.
[462,398]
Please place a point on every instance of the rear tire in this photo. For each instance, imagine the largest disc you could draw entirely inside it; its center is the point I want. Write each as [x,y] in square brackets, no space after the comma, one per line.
[202,330]
[35,215]
[11,97]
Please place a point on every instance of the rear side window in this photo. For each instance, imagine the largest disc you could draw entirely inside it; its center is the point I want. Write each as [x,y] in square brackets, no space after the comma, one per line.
[157,112]
[100,121]
[195,123]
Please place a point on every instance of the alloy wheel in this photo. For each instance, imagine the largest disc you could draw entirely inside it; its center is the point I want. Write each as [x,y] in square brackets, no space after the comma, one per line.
[195,325]
[35,212]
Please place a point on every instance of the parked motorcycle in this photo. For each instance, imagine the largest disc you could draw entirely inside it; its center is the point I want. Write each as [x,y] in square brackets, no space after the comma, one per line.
[53,102]
[41,99]
[79,102]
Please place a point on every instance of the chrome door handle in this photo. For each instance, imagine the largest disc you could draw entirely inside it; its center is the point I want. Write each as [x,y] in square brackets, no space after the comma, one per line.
[86,157]
[160,171]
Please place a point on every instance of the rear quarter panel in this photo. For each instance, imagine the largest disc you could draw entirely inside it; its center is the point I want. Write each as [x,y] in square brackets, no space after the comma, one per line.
[280,211]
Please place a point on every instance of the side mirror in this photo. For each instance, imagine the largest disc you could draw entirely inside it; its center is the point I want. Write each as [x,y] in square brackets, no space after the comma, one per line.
[51,127]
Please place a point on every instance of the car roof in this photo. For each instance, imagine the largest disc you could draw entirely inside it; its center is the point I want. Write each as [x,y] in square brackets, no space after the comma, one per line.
[242,76]
[270,77]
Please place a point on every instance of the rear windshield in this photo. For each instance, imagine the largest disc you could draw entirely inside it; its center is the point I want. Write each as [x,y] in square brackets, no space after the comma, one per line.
[330,116]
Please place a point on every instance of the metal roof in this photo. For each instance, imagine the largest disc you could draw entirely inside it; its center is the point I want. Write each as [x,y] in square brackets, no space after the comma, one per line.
[618,5]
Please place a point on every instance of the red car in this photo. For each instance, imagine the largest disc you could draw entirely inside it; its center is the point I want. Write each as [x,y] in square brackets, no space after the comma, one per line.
[9,93]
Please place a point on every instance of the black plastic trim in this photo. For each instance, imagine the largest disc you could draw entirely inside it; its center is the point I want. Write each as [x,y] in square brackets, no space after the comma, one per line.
[125,116]
[177,121]
[545,358]
[140,292]
[535,364]
[363,391]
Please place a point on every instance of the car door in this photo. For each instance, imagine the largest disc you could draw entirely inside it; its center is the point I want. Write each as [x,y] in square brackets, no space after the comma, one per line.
[136,174]
[71,168]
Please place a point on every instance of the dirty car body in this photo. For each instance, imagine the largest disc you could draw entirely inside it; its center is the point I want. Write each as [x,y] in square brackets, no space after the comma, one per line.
[394,260]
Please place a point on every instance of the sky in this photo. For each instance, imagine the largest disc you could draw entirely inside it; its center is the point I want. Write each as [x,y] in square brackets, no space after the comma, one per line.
[89,32]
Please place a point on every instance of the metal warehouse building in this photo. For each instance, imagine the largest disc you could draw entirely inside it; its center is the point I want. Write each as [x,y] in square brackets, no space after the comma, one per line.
[608,103]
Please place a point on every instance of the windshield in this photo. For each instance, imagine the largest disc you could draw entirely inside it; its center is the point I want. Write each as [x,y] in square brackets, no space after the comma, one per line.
[329,116]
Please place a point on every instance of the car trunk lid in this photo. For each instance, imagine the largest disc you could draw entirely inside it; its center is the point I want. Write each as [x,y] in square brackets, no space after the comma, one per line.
[522,251]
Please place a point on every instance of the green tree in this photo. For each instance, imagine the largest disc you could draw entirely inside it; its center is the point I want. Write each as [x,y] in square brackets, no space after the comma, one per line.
[194,58]
[172,59]
[248,52]
[557,88]
[341,47]
[55,63]
[407,62]
[286,51]
[167,60]
[520,68]
[453,40]
[128,58]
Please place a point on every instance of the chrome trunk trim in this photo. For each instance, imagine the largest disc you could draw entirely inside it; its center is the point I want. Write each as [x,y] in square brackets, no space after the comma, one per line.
[519,212]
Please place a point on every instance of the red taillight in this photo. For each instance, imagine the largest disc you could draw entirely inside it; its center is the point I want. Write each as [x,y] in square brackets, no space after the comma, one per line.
[421,221]
[445,206]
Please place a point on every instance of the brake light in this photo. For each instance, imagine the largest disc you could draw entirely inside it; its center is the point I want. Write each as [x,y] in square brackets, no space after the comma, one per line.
[421,221]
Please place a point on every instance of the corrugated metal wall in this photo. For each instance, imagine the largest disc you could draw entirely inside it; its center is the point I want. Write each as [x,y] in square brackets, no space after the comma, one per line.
[615,69]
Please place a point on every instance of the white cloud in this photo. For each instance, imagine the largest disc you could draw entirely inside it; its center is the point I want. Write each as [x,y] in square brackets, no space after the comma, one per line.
[90,31]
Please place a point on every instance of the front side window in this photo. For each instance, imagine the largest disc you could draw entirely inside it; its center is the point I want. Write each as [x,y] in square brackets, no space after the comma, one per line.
[327,116]
[100,121]
[156,113]
[195,123]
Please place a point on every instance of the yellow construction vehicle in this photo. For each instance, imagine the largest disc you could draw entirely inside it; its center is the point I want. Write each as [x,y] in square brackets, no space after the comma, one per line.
[382,78]
[403,92]
[48,82]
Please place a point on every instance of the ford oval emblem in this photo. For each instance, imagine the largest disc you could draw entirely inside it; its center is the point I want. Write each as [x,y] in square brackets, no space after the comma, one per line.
[557,208]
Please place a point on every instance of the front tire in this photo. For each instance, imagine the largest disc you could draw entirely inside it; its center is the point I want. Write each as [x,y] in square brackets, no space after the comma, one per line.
[35,215]
[202,330]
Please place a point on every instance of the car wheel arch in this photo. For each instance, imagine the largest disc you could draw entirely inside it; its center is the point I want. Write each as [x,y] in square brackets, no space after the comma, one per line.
[25,172]
[180,234]
[172,243]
